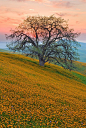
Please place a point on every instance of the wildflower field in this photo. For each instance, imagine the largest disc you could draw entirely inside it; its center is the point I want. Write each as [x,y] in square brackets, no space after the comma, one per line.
[40,97]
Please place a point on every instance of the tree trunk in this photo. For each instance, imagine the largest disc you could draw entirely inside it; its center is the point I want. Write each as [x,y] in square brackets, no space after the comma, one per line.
[41,62]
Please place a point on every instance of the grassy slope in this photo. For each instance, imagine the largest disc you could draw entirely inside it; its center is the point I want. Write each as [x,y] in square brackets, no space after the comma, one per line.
[40,97]
[80,71]
[80,67]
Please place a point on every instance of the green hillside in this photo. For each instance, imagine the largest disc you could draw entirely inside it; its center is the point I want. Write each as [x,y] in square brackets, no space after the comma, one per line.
[40,97]
[3,50]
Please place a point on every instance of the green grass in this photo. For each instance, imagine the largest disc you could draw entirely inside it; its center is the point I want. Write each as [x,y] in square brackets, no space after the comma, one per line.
[80,77]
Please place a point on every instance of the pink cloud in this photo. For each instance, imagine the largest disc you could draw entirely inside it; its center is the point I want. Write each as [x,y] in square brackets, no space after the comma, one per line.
[31,0]
[8,20]
[65,4]
[5,10]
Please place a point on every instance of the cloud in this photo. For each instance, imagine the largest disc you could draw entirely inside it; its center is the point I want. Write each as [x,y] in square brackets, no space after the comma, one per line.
[31,9]
[59,4]
[32,0]
[5,10]
[61,14]
[9,20]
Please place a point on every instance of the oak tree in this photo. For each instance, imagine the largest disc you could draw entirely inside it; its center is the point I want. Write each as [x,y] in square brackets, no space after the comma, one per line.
[49,38]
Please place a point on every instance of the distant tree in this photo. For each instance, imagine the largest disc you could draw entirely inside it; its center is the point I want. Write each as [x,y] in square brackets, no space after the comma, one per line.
[49,38]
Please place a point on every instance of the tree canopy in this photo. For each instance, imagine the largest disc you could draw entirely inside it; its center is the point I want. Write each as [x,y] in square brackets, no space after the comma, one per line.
[49,38]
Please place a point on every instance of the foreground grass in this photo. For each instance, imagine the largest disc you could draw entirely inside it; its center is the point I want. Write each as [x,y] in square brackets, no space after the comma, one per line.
[40,97]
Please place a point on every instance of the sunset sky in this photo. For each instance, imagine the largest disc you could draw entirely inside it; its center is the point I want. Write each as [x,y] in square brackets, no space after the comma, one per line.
[13,12]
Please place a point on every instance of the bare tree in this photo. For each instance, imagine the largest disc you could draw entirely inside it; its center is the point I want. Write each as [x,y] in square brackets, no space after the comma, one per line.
[49,38]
